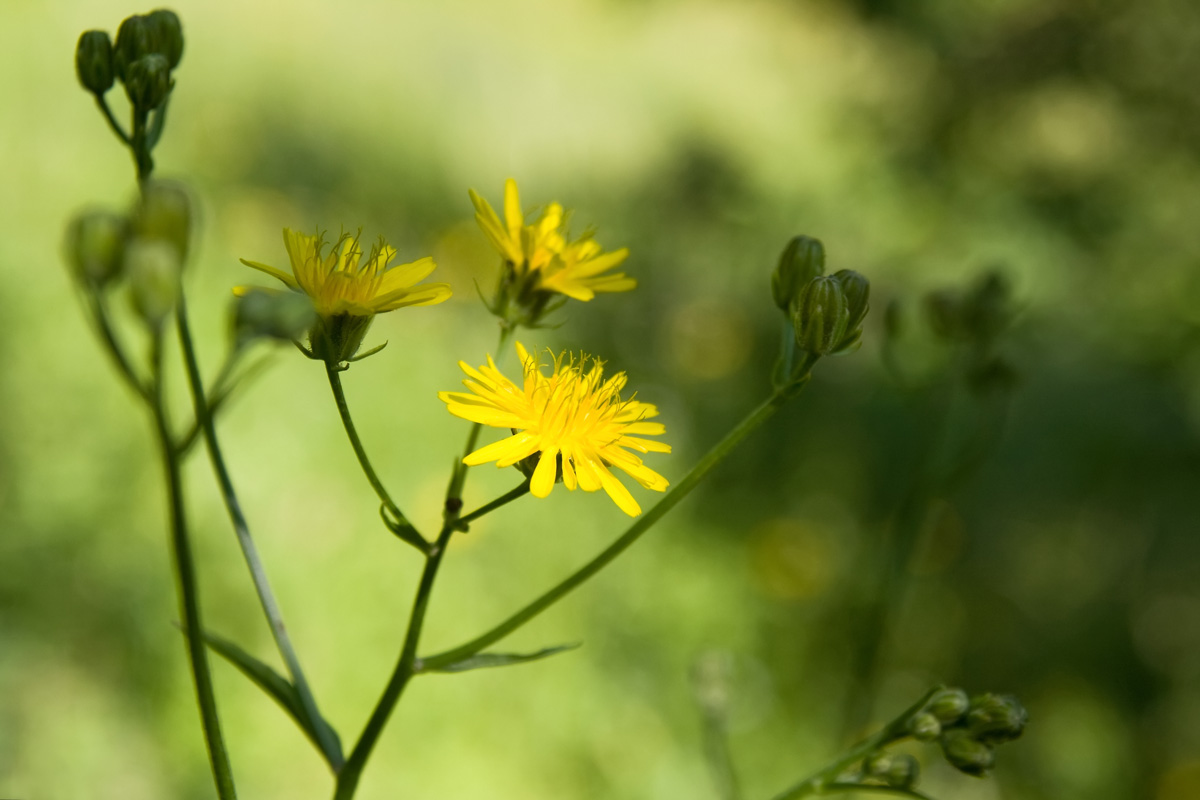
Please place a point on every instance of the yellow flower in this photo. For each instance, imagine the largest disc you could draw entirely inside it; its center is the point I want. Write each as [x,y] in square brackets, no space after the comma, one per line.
[575,422]
[348,292]
[340,282]
[541,257]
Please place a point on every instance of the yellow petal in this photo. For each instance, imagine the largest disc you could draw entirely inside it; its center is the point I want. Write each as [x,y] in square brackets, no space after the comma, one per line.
[512,209]
[546,474]
[274,273]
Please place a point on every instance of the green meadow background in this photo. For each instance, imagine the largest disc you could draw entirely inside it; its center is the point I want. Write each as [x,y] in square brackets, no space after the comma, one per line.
[925,141]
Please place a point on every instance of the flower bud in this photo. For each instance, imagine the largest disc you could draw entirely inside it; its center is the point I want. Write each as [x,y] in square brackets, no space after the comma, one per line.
[153,267]
[903,772]
[948,705]
[164,212]
[166,35]
[967,753]
[94,61]
[877,764]
[133,42]
[96,244]
[147,81]
[996,718]
[336,338]
[820,316]
[987,309]
[924,727]
[283,315]
[802,260]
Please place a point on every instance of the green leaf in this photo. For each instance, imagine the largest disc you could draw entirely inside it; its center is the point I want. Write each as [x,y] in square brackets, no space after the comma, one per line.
[482,660]
[283,692]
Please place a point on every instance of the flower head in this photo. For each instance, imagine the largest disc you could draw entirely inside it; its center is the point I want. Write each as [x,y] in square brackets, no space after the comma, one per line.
[574,422]
[541,261]
[346,291]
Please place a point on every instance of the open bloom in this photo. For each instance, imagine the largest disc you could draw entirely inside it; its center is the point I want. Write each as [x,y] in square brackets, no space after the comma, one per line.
[540,255]
[340,282]
[574,422]
[346,291]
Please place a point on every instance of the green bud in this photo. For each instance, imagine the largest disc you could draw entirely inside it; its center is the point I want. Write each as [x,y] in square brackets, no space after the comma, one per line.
[944,310]
[94,61]
[877,764]
[996,718]
[967,753]
[154,268]
[147,81]
[166,34]
[336,338]
[96,245]
[948,705]
[802,260]
[134,40]
[282,315]
[987,309]
[857,290]
[164,212]
[820,316]
[903,772]
[924,727]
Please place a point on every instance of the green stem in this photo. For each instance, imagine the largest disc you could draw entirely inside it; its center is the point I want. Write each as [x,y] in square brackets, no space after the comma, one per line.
[635,531]
[99,309]
[348,777]
[140,146]
[825,779]
[503,499]
[112,121]
[458,478]
[189,591]
[339,396]
[258,574]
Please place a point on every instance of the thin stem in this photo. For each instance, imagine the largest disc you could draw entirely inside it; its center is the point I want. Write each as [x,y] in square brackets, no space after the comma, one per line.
[189,591]
[266,598]
[458,478]
[102,103]
[339,396]
[140,146]
[825,779]
[215,398]
[503,499]
[348,777]
[108,335]
[635,531]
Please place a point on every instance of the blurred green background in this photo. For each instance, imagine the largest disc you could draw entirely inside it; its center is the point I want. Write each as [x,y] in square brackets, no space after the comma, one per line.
[924,141]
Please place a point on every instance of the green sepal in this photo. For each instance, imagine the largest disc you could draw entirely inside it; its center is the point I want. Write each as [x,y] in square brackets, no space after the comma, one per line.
[485,660]
[284,693]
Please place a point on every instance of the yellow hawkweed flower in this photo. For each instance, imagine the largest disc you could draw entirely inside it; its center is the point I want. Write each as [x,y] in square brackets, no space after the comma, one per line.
[348,292]
[540,257]
[575,422]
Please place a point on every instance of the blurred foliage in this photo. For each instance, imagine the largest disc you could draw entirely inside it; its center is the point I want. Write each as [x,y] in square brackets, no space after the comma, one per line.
[924,142]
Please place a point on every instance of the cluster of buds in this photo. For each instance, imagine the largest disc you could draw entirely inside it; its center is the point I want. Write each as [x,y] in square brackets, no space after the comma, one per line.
[826,311]
[975,318]
[969,729]
[146,247]
[147,49]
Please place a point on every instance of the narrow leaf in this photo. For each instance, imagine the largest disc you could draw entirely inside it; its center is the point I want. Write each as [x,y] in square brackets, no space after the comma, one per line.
[482,660]
[282,691]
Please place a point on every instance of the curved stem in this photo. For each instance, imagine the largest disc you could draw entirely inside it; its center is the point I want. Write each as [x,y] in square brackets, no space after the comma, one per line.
[262,586]
[635,531]
[99,309]
[502,500]
[826,779]
[339,396]
[348,777]
[102,103]
[189,591]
